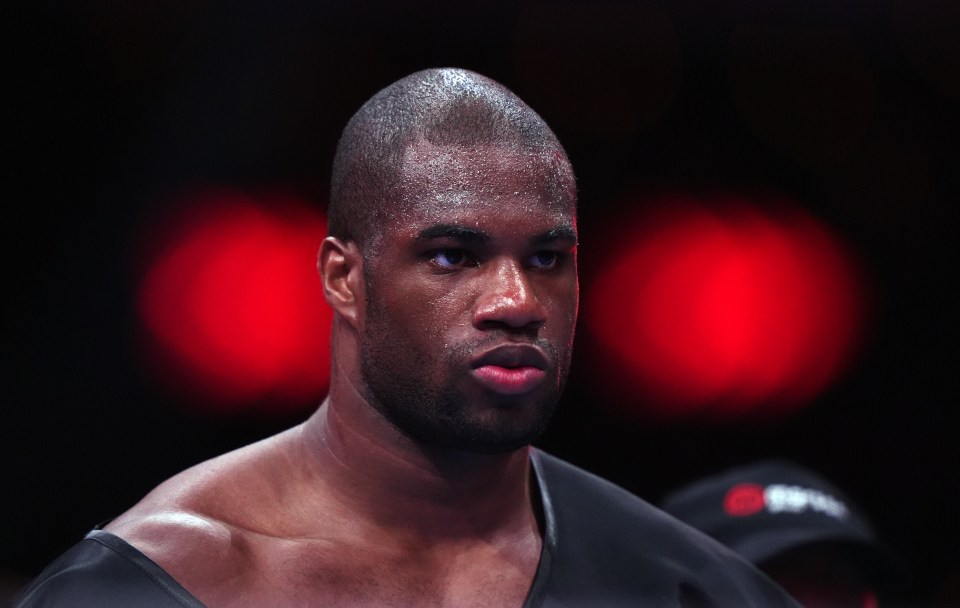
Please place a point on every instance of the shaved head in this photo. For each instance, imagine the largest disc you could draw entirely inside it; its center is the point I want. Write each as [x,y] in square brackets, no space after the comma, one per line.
[438,108]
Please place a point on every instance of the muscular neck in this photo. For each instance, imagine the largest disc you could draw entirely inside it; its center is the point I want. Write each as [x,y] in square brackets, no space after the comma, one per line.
[433,494]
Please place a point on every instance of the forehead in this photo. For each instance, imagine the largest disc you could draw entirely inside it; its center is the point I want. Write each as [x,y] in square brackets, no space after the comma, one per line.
[477,180]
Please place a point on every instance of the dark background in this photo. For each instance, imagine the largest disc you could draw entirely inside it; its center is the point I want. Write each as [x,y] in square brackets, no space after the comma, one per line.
[849,107]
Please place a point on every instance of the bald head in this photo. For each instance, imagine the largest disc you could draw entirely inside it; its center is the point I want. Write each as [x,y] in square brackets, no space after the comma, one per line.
[449,107]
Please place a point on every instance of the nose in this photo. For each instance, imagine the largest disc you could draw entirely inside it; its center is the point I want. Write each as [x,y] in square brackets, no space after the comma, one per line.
[507,299]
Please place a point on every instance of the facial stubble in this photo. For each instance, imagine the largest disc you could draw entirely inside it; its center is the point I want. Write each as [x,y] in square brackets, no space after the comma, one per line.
[417,392]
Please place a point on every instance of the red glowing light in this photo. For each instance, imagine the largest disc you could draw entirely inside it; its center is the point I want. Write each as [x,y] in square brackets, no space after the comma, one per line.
[744,499]
[234,306]
[726,314]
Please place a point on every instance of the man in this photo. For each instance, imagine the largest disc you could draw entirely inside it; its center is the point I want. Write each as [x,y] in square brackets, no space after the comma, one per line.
[451,270]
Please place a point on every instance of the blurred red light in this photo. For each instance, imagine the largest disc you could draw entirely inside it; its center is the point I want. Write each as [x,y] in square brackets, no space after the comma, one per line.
[233,303]
[725,314]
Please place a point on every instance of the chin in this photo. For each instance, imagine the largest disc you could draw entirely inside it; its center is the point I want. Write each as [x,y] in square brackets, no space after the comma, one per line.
[499,431]
[460,416]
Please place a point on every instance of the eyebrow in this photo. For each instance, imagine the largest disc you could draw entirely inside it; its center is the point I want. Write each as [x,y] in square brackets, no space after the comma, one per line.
[560,233]
[479,237]
[452,231]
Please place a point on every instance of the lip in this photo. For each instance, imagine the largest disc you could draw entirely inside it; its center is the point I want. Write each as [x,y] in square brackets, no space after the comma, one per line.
[512,369]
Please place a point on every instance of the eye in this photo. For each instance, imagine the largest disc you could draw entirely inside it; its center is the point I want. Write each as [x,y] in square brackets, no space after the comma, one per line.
[450,258]
[544,260]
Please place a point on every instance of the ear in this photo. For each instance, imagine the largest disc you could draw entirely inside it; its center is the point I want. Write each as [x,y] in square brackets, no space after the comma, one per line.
[341,270]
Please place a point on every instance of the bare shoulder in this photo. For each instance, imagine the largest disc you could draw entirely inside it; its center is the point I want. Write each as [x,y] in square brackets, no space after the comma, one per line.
[189,546]
[199,550]
[196,525]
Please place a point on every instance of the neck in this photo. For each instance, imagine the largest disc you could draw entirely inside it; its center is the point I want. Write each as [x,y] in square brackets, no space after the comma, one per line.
[381,475]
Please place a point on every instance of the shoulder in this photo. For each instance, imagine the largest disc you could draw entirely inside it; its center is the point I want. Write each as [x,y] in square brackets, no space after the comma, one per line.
[584,504]
[605,533]
[198,552]
[195,531]
[102,570]
[198,525]
[187,545]
[579,496]
[207,506]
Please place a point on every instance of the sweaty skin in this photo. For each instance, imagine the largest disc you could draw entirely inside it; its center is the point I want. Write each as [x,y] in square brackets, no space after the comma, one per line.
[457,348]
[411,484]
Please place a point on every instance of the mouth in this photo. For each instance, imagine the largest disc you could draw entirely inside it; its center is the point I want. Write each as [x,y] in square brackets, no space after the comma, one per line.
[512,369]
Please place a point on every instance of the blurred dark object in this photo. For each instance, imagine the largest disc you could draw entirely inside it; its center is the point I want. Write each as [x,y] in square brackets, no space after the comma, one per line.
[799,528]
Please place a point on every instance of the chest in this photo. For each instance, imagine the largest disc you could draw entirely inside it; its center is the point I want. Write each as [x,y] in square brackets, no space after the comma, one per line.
[312,574]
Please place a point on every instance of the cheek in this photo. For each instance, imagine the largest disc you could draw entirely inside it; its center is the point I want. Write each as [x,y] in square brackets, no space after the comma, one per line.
[563,304]
[421,311]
